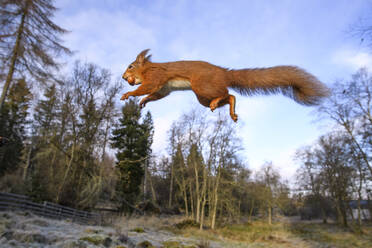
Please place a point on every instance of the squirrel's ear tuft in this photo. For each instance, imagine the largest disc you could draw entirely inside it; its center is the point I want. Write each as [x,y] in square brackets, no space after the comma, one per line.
[142,58]
[148,57]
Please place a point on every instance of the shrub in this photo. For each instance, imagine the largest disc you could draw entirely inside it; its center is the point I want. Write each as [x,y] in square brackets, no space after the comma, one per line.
[186,224]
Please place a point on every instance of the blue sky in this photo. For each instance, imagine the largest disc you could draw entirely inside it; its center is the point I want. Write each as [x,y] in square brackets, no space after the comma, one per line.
[236,34]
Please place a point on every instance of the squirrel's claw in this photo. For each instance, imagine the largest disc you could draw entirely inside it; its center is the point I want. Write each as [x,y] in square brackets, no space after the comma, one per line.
[143,103]
[124,96]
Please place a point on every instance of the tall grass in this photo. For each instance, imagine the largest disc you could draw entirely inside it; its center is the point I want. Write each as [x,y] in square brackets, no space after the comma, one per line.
[299,235]
[257,234]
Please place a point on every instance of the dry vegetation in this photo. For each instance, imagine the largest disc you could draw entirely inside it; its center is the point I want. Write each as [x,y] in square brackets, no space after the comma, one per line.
[26,230]
[286,233]
[261,234]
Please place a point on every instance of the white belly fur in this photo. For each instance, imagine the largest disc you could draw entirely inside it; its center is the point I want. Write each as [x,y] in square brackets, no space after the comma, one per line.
[174,85]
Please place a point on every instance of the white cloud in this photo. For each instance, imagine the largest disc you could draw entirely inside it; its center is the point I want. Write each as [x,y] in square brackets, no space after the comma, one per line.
[109,39]
[352,58]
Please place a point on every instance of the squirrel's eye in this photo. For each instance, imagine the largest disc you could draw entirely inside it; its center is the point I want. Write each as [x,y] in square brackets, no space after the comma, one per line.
[130,66]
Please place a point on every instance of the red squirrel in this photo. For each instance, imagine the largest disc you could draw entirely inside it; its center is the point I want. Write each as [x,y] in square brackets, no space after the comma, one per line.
[210,83]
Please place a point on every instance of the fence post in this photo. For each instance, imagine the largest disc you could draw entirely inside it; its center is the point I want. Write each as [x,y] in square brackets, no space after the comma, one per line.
[44,207]
[74,215]
[59,213]
[86,217]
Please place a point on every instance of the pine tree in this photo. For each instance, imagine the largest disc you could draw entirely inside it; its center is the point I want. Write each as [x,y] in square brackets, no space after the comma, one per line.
[13,126]
[29,41]
[180,174]
[133,139]
[43,177]
[47,110]
[148,128]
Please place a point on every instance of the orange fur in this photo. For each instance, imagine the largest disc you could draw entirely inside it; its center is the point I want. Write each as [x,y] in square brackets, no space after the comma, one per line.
[210,83]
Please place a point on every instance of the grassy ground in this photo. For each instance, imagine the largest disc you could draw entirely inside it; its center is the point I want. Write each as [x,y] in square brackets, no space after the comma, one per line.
[259,234]
[287,232]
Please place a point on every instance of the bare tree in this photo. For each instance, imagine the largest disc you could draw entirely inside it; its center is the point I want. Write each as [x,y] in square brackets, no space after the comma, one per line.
[350,107]
[72,123]
[270,191]
[210,147]
[309,178]
[363,30]
[336,170]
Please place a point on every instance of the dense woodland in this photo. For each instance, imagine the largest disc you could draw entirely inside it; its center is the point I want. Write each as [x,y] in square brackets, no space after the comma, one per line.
[67,139]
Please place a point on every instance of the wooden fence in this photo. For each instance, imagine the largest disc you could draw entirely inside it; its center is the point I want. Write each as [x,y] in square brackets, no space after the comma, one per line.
[13,202]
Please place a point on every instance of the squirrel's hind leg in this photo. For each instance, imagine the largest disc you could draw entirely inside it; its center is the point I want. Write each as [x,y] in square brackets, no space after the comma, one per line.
[232,101]
[218,102]
[221,101]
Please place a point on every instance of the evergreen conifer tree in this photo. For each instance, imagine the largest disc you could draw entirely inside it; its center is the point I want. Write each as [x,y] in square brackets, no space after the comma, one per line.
[132,138]
[13,126]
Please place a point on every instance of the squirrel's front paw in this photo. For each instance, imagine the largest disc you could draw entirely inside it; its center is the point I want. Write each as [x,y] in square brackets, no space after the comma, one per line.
[125,96]
[143,103]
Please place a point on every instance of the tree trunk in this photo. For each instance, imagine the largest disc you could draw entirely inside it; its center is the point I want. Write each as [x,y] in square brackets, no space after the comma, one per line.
[66,172]
[197,193]
[80,182]
[13,60]
[153,192]
[239,208]
[360,194]
[344,218]
[214,211]
[52,173]
[105,141]
[269,215]
[28,161]
[171,187]
[342,213]
[251,212]
[192,202]
[145,181]
[361,152]
[186,203]
[324,215]
[202,213]
[204,198]
[210,200]
[215,197]
[351,214]
[359,214]
[183,187]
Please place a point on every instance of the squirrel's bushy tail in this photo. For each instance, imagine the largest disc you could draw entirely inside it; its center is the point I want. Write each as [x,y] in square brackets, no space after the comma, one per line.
[291,81]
